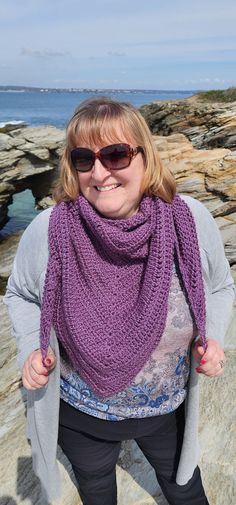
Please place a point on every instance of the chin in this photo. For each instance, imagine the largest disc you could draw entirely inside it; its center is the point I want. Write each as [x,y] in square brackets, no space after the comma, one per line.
[112,213]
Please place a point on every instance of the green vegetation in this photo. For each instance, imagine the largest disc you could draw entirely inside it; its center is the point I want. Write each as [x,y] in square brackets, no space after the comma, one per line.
[3,129]
[12,126]
[218,95]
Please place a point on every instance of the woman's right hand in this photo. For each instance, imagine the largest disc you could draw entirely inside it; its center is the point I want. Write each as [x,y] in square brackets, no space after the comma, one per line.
[34,373]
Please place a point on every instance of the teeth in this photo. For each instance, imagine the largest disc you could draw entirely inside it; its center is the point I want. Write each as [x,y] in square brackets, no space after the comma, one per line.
[107,188]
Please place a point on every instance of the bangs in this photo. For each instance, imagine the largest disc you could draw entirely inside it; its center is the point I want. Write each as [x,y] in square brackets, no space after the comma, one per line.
[100,130]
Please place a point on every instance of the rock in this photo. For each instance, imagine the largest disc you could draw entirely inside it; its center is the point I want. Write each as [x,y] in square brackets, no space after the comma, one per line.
[5,189]
[223,208]
[221,177]
[39,152]
[48,137]
[8,247]
[11,125]
[208,176]
[5,142]
[29,159]
[230,342]
[207,125]
[218,434]
[7,160]
[46,202]
[227,226]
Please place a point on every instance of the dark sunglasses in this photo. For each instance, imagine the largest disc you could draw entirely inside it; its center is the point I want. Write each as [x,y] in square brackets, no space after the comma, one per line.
[114,157]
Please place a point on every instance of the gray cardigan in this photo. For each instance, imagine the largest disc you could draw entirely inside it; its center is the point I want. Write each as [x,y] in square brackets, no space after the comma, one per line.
[23,297]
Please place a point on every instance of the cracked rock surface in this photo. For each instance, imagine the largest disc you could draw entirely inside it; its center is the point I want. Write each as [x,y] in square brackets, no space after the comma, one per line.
[28,160]
[206,124]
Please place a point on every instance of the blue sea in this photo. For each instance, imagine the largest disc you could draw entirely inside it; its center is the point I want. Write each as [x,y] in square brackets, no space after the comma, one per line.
[52,108]
[36,108]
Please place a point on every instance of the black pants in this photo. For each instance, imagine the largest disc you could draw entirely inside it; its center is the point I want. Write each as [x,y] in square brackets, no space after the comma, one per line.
[92,446]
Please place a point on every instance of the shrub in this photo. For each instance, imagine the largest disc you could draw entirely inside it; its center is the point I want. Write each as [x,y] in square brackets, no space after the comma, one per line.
[218,95]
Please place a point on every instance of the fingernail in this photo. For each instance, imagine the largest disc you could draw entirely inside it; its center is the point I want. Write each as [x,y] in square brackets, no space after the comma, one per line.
[203,361]
[48,361]
[198,370]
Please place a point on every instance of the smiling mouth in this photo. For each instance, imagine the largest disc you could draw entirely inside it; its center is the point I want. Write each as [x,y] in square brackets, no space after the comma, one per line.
[107,188]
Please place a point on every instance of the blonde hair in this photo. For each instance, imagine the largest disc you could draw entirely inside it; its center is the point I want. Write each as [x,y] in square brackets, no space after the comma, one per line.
[96,122]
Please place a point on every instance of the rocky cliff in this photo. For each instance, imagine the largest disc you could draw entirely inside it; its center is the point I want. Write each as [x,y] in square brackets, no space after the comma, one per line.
[209,176]
[206,124]
[28,160]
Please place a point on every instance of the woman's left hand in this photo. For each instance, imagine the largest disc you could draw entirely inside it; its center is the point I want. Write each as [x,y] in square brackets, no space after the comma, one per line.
[211,362]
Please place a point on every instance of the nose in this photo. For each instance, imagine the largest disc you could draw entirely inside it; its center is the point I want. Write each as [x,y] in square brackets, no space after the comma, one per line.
[98,171]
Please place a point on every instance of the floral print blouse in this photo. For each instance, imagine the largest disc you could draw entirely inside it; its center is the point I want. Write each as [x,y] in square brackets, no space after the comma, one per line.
[160,386]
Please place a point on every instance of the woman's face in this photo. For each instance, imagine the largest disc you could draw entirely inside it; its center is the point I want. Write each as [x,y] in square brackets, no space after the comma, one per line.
[114,193]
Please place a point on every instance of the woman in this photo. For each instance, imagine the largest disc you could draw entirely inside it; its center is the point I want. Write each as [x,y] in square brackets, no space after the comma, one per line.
[135,304]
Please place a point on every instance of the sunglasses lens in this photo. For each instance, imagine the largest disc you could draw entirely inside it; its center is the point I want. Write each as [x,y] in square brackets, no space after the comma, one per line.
[82,159]
[116,156]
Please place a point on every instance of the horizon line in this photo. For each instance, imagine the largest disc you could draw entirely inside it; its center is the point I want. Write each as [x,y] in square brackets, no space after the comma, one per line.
[49,88]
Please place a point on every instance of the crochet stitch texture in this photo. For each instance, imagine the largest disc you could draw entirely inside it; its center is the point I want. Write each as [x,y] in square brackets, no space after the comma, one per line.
[107,286]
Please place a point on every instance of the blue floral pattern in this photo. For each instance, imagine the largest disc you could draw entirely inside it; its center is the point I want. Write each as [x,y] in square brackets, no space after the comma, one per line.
[160,387]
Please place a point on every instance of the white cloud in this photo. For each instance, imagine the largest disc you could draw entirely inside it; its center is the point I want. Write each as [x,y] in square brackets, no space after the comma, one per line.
[206,80]
[116,54]
[70,82]
[45,53]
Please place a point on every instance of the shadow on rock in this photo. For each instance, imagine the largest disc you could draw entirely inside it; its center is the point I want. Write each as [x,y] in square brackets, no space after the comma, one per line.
[28,485]
[7,500]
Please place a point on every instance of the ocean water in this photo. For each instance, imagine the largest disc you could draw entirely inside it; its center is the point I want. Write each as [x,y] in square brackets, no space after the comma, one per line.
[42,108]
[52,108]
[20,213]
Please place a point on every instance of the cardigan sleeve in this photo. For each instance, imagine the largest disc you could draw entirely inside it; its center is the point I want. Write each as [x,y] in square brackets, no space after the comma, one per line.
[25,286]
[220,292]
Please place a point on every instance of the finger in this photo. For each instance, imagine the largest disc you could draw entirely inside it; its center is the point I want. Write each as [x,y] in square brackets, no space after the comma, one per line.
[220,372]
[26,384]
[33,378]
[211,354]
[213,369]
[213,349]
[198,351]
[29,383]
[30,386]
[39,379]
[221,366]
[50,361]
[216,372]
[37,365]
[211,360]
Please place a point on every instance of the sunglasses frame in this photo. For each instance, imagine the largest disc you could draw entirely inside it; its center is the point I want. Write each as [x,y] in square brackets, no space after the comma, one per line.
[131,153]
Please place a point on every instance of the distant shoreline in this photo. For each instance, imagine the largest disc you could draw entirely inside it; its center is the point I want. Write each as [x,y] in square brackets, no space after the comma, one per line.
[22,89]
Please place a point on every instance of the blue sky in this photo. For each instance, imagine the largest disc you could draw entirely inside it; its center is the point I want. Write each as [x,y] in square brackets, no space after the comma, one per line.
[152,44]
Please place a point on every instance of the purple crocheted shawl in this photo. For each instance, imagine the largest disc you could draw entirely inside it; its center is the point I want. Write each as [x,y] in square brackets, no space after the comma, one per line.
[107,286]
